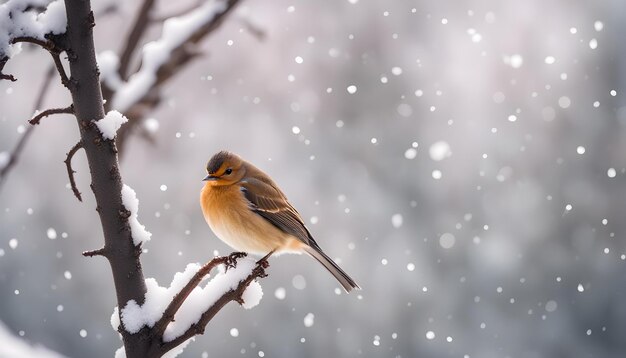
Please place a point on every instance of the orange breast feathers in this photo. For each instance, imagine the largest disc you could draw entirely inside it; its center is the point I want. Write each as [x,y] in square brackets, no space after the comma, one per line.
[228,213]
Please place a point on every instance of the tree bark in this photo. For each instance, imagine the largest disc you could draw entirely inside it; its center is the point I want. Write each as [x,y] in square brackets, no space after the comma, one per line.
[106,182]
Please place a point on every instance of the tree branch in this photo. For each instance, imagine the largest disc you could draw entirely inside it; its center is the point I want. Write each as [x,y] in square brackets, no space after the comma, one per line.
[15,154]
[56,57]
[36,119]
[70,171]
[45,44]
[255,30]
[139,27]
[232,295]
[179,58]
[3,76]
[98,252]
[182,54]
[177,301]
[52,47]
[106,181]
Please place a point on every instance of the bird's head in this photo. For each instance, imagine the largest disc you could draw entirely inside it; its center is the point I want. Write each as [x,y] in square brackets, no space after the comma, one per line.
[224,168]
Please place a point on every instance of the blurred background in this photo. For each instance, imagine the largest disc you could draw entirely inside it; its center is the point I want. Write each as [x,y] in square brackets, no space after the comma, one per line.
[464,161]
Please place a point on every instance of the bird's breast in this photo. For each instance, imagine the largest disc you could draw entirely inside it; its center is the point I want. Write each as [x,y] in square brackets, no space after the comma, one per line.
[228,213]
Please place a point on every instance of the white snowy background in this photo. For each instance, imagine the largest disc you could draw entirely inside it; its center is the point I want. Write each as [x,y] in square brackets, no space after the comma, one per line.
[464,161]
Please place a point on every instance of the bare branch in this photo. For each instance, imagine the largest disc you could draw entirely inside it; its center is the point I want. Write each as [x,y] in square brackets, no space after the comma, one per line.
[232,295]
[59,66]
[7,77]
[139,27]
[70,171]
[45,44]
[15,154]
[36,119]
[254,29]
[3,61]
[99,252]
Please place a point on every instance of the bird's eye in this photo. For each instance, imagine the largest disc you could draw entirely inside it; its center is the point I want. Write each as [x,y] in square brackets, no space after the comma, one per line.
[228,171]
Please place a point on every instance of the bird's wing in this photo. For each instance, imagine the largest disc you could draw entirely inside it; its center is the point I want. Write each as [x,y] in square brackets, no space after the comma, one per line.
[269,202]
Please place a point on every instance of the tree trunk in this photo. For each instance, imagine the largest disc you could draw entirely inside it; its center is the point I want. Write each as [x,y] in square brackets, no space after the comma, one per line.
[106,181]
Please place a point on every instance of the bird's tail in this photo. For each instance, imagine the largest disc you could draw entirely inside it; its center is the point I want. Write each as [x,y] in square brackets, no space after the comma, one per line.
[343,278]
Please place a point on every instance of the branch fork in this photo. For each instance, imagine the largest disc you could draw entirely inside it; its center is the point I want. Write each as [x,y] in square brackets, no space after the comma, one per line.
[236,294]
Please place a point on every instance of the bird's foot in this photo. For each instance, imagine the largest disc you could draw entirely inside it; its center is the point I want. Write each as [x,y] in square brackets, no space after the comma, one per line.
[263,263]
[266,257]
[259,270]
[231,260]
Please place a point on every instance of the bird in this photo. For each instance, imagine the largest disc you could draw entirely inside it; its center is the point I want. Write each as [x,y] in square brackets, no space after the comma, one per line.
[245,209]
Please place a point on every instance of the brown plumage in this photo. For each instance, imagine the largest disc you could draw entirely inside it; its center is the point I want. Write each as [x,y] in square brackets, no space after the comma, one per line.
[247,210]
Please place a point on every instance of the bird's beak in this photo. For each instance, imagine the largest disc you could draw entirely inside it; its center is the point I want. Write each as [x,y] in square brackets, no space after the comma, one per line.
[209,177]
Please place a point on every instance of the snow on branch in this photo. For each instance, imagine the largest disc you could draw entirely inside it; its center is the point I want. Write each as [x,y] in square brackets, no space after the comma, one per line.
[108,64]
[109,125]
[131,203]
[19,20]
[177,31]
[201,299]
[177,313]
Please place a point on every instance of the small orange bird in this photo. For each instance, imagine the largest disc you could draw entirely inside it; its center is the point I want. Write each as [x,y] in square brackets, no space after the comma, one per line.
[245,209]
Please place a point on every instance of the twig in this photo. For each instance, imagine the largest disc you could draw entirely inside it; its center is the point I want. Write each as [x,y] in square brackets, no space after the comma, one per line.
[70,171]
[52,48]
[232,295]
[47,45]
[15,154]
[139,27]
[36,119]
[99,252]
[7,77]
[59,66]
[3,76]
[255,30]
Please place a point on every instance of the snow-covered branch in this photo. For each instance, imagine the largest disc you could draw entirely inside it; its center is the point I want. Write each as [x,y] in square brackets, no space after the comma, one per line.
[134,36]
[157,55]
[236,284]
[21,23]
[174,314]
[136,95]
